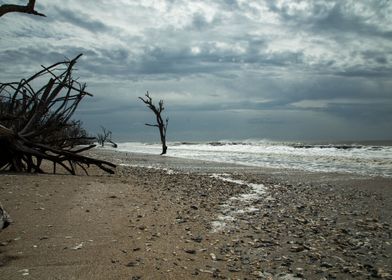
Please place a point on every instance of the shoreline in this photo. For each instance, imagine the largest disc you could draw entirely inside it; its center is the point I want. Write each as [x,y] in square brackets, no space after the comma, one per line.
[341,158]
[199,165]
[153,224]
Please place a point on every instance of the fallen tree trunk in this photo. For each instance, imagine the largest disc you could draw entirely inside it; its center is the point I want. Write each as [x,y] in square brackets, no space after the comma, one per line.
[37,125]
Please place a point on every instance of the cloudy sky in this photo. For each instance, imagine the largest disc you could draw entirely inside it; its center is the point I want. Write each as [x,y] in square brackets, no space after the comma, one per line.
[226,69]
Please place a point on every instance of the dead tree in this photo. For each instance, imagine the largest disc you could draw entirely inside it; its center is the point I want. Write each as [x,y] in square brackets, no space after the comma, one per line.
[105,136]
[27,9]
[162,126]
[36,125]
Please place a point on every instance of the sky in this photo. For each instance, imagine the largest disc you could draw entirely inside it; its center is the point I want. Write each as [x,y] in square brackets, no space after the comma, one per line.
[226,69]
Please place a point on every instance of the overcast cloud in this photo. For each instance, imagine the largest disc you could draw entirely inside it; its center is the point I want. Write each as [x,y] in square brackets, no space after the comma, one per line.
[226,69]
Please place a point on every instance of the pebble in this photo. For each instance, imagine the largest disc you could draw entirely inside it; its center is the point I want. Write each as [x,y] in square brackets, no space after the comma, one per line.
[190,251]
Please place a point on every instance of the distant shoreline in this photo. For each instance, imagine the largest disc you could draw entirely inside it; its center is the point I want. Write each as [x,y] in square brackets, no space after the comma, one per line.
[309,142]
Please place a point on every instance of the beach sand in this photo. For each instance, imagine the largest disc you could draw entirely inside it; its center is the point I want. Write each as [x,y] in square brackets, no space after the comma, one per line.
[187,222]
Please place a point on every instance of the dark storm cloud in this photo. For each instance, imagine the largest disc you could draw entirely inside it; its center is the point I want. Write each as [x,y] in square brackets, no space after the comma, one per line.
[181,62]
[41,56]
[160,61]
[25,54]
[379,72]
[339,19]
[79,19]
[199,22]
[334,16]
[369,113]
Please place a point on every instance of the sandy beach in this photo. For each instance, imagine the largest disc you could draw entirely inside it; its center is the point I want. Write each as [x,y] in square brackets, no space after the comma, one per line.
[195,220]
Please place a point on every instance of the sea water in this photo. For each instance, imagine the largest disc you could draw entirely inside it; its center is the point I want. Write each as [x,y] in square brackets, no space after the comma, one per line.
[365,159]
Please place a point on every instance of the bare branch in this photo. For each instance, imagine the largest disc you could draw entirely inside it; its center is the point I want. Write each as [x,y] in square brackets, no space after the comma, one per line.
[28,9]
[155,125]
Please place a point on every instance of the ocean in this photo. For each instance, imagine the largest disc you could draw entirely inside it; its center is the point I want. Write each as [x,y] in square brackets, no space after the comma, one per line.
[371,159]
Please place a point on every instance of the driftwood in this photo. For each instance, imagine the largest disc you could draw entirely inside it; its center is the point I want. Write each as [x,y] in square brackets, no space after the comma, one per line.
[162,126]
[5,219]
[27,9]
[36,125]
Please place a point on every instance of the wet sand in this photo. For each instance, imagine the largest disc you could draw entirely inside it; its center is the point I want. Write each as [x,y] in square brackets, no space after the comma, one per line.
[183,223]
